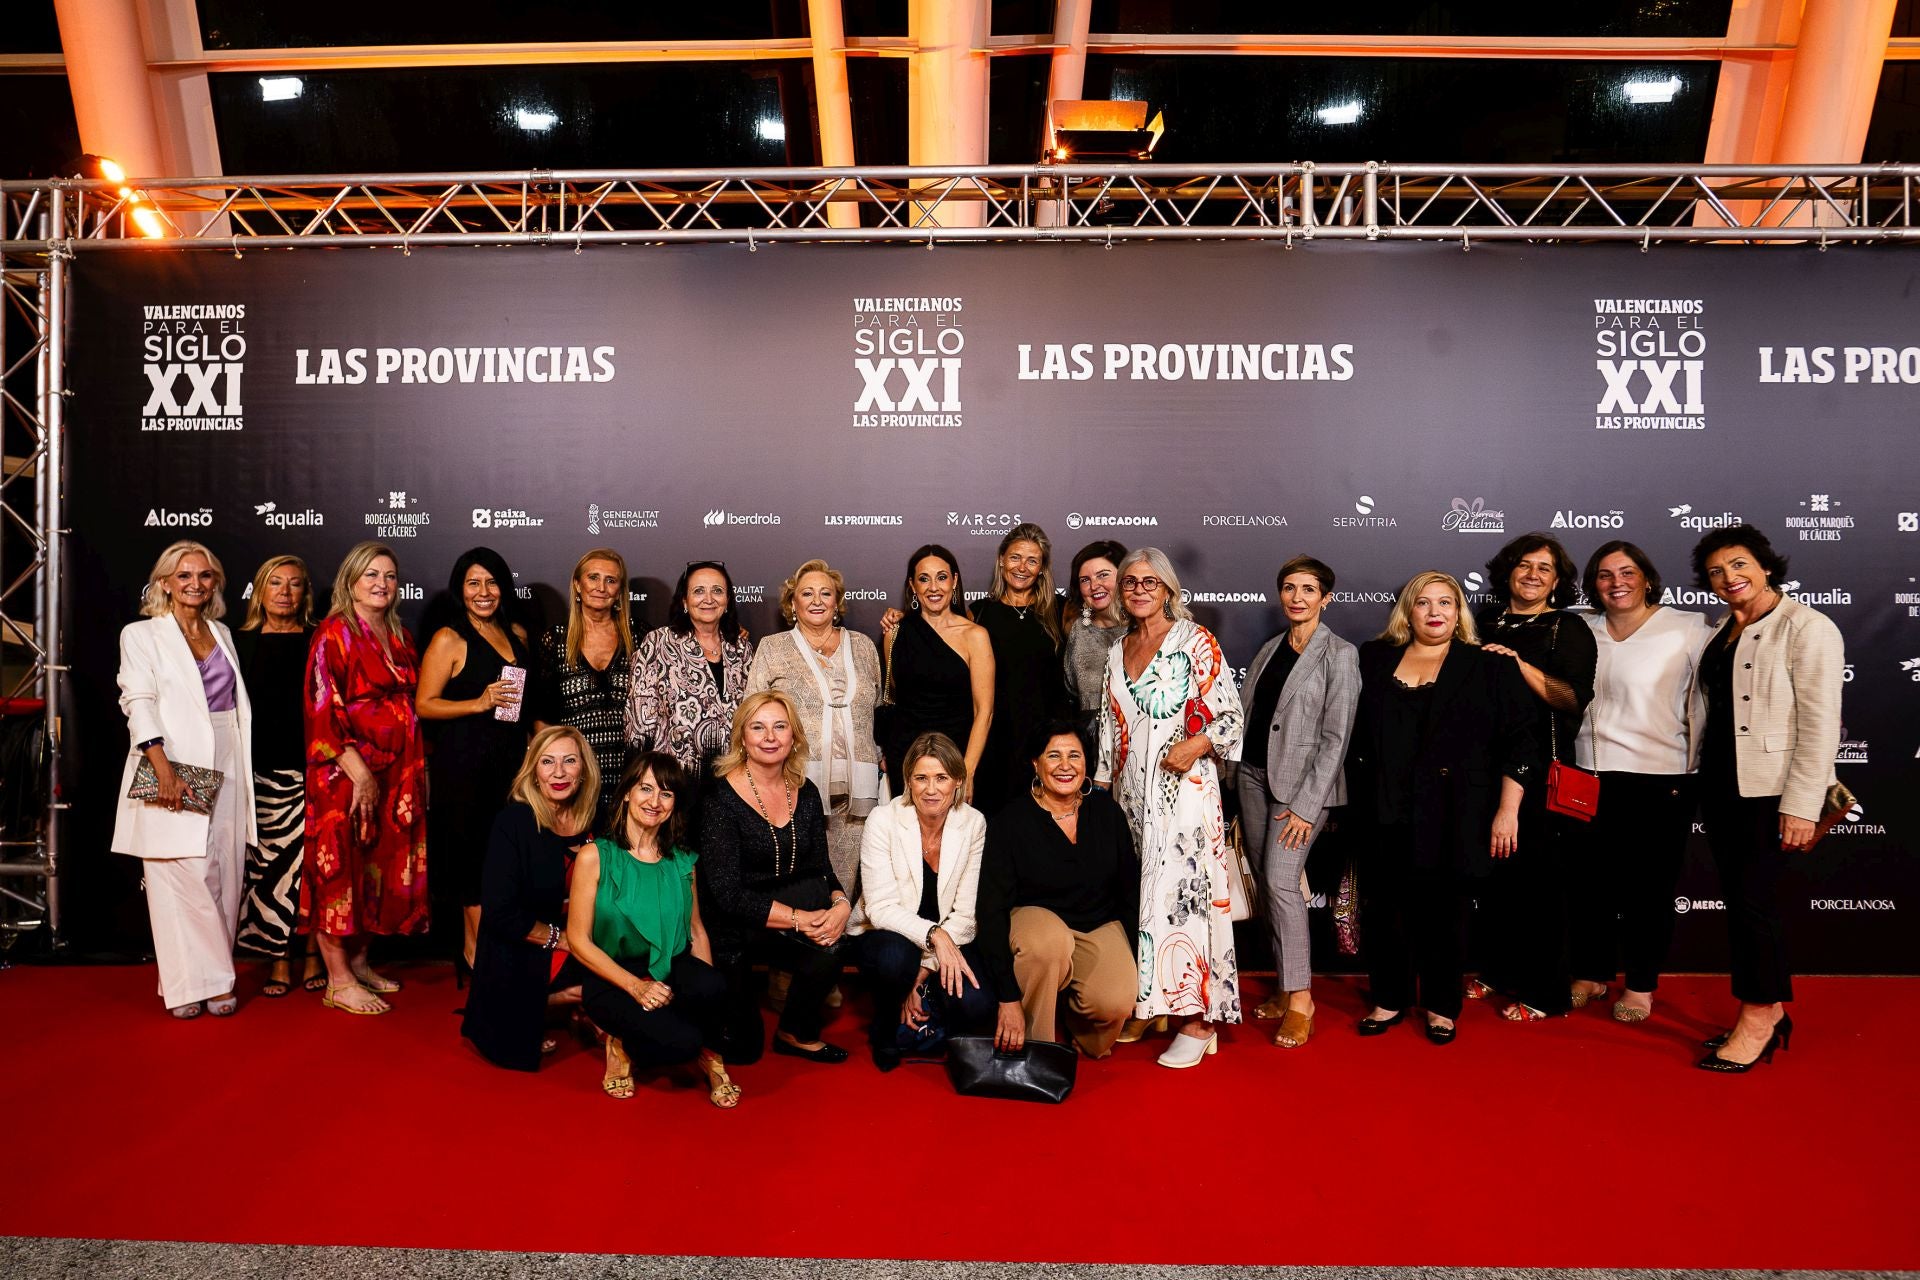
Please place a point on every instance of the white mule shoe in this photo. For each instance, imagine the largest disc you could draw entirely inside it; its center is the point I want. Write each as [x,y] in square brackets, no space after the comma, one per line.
[1186,1050]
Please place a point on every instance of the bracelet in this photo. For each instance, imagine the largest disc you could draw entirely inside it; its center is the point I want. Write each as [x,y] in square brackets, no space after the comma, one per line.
[150,742]
[793,919]
[553,937]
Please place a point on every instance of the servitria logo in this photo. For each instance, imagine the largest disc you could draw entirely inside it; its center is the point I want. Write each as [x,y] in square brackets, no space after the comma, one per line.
[1364,516]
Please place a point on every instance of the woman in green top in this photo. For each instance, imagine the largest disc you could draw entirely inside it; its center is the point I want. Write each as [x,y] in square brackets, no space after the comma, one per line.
[633,919]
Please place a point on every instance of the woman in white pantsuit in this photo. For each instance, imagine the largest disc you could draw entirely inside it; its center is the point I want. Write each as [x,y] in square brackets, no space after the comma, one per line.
[181,690]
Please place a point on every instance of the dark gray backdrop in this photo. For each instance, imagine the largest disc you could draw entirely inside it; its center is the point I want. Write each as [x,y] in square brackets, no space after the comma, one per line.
[1409,407]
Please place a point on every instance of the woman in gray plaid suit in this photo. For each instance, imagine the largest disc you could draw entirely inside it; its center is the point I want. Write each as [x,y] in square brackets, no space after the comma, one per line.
[1300,695]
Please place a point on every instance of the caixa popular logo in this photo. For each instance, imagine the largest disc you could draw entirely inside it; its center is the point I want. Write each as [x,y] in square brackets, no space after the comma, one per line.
[1650,355]
[162,518]
[193,357]
[908,353]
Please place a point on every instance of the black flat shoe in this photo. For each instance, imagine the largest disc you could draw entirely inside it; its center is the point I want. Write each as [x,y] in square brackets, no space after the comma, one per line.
[1439,1034]
[1782,1033]
[825,1053]
[1378,1026]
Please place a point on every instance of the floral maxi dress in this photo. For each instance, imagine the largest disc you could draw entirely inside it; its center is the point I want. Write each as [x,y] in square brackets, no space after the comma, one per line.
[1185,952]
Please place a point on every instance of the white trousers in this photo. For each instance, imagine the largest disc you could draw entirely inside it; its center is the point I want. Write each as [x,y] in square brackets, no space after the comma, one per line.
[194,903]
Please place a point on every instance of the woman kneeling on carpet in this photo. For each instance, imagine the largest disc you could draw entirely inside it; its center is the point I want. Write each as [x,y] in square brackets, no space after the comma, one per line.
[633,919]
[523,891]
[763,834]
[1059,903]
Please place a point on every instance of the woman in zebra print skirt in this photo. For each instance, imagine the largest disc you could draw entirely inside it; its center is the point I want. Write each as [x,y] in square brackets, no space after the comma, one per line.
[272,644]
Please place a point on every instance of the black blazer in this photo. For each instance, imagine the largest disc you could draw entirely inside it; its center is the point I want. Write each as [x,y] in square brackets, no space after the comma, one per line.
[1479,729]
[524,881]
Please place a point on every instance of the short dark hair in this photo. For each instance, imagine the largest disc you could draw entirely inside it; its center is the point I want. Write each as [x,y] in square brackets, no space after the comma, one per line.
[682,622]
[1589,577]
[1738,535]
[1500,568]
[934,549]
[1104,549]
[668,776]
[1305,564]
[1053,727]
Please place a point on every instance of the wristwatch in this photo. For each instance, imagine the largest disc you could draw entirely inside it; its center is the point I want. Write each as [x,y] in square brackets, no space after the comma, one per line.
[930,933]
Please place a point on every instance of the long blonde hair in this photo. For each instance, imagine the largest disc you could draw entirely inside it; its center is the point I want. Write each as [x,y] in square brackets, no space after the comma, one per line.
[578,814]
[576,615]
[362,555]
[1046,605]
[157,602]
[1399,622]
[257,612]
[795,768]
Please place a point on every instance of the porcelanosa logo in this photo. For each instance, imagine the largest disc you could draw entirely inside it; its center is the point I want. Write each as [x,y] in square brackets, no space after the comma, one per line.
[907,352]
[1820,519]
[505,518]
[1650,354]
[274,518]
[1077,521]
[1473,517]
[194,357]
[599,517]
[1365,517]
[718,519]
[397,516]
[1244,520]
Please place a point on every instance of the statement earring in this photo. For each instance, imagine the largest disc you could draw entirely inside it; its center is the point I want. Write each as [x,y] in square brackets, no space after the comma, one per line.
[1086,614]
[1034,786]
[1166,607]
[1086,788]
[914,603]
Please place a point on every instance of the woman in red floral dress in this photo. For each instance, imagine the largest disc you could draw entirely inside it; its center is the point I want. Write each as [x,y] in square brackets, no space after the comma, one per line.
[366,856]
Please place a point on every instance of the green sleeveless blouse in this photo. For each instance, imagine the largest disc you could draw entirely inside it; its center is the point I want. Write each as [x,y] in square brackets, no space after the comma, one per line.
[643,911]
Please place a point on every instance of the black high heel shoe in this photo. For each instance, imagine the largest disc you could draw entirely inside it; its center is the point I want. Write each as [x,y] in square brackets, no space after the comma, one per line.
[1378,1026]
[1782,1034]
[462,973]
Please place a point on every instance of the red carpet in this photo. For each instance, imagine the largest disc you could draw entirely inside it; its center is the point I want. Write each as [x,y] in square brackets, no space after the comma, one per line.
[1575,1142]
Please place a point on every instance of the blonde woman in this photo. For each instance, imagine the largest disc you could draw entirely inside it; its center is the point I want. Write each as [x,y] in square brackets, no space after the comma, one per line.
[1441,750]
[366,854]
[181,692]
[763,837]
[523,920]
[583,667]
[833,676]
[1021,615]
[272,644]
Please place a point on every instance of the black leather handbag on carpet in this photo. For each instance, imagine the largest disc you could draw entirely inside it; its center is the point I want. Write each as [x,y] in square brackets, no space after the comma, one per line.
[1039,1072]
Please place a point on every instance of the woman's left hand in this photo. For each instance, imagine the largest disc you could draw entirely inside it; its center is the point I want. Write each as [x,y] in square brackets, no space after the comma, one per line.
[827,926]
[1506,833]
[1295,831]
[1184,754]
[913,1013]
[1796,834]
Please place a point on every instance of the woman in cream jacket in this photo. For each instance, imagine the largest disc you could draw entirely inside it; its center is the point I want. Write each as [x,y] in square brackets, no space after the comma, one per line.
[181,691]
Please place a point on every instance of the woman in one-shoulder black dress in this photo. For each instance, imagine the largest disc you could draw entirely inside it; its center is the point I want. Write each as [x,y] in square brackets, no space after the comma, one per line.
[933,686]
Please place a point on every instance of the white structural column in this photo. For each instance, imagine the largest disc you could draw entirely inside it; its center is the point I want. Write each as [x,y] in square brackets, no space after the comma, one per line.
[183,103]
[107,74]
[1753,81]
[947,96]
[1843,46]
[834,100]
[1066,81]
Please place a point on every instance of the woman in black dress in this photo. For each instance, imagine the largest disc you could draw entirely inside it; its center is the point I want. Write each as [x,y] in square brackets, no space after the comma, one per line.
[523,923]
[1523,921]
[475,752]
[272,645]
[774,897]
[584,666]
[939,667]
[1022,618]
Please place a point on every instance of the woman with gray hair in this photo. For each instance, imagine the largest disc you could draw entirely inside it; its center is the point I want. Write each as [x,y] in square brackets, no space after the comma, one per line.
[1172,709]
[185,704]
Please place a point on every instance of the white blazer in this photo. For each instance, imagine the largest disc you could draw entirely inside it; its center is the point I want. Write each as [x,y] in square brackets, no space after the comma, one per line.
[163,697]
[892,873]
[1787,675]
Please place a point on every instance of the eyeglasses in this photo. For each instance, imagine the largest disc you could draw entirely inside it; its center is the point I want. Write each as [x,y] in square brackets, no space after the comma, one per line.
[1148,585]
[721,565]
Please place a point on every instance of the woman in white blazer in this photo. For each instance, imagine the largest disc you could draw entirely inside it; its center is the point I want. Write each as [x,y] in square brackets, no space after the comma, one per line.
[1300,696]
[181,691]
[919,874]
[1772,677]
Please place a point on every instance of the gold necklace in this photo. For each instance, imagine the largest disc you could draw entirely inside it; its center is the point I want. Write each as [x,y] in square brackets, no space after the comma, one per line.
[794,856]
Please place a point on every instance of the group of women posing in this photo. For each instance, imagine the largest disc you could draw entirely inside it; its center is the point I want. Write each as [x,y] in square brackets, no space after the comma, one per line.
[1009,814]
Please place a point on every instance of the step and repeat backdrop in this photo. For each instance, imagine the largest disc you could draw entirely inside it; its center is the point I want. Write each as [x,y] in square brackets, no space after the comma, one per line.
[1386,408]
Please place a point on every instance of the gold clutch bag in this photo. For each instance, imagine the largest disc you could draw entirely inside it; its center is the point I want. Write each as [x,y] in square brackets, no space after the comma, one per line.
[202,785]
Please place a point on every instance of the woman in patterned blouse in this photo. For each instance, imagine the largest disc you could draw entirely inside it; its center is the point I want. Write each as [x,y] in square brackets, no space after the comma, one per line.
[689,676]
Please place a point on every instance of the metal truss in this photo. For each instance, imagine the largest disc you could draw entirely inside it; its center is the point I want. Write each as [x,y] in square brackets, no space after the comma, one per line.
[1372,201]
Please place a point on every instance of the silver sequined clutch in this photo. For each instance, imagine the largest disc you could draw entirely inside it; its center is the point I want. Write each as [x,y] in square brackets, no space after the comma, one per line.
[202,785]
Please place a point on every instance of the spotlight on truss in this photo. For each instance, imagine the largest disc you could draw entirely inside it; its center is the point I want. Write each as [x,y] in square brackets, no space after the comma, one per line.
[1094,129]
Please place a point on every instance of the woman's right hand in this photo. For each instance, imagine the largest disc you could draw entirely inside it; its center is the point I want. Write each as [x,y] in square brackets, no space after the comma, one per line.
[366,800]
[954,969]
[649,994]
[1010,1031]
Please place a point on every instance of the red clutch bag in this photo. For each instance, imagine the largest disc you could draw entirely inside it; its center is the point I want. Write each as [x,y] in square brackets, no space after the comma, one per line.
[1571,791]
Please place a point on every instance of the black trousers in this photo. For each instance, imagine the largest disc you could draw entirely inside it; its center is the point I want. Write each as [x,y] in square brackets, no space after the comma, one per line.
[1624,869]
[1744,835]
[1521,927]
[814,973]
[666,1036]
[891,965]
[1413,926]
